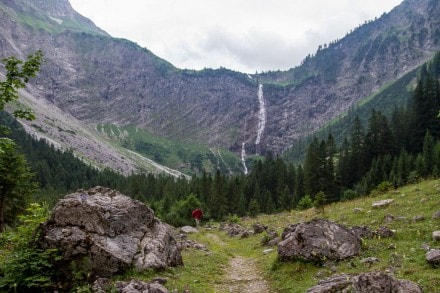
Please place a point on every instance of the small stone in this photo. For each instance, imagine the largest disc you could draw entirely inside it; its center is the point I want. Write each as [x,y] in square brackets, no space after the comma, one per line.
[392,246]
[433,257]
[425,247]
[388,218]
[199,246]
[384,232]
[274,242]
[369,260]
[258,228]
[418,218]
[357,210]
[436,215]
[436,235]
[382,203]
[423,200]
[188,230]
[160,280]
[246,234]
[362,231]
[266,251]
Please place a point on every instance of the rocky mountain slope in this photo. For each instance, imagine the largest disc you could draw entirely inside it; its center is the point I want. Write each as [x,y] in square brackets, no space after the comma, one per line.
[97,79]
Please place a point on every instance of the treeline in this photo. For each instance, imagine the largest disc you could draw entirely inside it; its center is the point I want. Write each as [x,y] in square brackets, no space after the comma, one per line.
[384,151]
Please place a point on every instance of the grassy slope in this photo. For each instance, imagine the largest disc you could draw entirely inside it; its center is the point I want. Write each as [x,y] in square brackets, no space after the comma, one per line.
[187,158]
[203,270]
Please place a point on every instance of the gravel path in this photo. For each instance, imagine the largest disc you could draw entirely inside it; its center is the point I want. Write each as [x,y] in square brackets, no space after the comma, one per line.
[242,275]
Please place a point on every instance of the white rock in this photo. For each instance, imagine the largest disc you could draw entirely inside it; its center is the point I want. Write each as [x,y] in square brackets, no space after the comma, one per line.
[188,230]
[382,203]
[436,235]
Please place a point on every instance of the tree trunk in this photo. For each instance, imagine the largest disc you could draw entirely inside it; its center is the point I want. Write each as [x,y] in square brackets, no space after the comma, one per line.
[2,218]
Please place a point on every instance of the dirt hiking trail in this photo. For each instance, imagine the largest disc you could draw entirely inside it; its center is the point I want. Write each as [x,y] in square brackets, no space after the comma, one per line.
[242,276]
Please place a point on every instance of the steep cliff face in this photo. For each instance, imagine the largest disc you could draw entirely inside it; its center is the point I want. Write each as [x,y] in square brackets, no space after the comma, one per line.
[100,79]
[352,68]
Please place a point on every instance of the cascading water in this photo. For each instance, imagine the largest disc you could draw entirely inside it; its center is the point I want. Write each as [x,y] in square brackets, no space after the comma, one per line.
[243,157]
[261,115]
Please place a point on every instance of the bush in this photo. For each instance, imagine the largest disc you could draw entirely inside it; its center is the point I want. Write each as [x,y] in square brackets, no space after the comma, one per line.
[348,194]
[23,267]
[305,203]
[180,212]
[233,218]
[383,187]
[319,202]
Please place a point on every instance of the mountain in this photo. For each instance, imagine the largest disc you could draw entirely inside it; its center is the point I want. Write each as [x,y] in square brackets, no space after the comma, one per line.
[91,81]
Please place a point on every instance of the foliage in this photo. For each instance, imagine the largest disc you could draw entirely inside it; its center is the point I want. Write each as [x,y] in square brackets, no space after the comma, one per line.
[15,177]
[16,184]
[24,267]
[383,187]
[186,157]
[319,202]
[348,194]
[233,218]
[180,213]
[379,150]
[305,203]
[18,73]
[208,272]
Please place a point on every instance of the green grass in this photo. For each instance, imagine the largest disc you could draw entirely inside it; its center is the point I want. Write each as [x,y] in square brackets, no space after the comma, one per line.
[401,254]
[185,157]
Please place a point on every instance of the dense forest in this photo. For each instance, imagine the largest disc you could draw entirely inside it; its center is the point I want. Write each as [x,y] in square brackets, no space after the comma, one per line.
[383,152]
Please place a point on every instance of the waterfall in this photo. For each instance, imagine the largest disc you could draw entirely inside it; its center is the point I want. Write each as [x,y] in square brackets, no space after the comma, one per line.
[243,157]
[261,115]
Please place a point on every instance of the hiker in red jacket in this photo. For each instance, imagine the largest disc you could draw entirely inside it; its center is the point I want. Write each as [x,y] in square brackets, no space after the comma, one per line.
[197,215]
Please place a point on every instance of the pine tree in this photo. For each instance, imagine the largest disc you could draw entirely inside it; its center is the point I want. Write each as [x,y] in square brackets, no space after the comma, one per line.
[299,186]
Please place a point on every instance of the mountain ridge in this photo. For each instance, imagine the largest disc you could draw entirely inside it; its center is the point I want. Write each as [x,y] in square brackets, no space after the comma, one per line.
[100,79]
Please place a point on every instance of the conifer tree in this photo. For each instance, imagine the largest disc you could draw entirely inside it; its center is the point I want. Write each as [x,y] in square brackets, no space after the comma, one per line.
[16,183]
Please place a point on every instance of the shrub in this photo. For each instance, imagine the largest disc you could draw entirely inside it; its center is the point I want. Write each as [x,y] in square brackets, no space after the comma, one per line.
[319,202]
[348,194]
[305,203]
[383,187]
[180,212]
[23,267]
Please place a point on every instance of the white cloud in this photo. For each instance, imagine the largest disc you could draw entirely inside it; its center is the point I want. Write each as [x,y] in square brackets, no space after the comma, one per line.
[244,35]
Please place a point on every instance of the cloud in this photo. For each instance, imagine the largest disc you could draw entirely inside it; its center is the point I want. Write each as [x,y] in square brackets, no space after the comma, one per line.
[244,35]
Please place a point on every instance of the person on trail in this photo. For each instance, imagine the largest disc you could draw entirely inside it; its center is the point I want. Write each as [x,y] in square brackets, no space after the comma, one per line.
[197,215]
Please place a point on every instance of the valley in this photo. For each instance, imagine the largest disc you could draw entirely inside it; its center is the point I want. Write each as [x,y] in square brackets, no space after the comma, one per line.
[321,176]
[95,79]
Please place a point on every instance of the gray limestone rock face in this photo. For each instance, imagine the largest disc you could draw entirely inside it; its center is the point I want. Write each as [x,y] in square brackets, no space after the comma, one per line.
[317,240]
[107,232]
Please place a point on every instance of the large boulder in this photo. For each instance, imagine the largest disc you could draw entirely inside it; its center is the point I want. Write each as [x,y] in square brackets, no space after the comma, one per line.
[373,282]
[105,232]
[318,240]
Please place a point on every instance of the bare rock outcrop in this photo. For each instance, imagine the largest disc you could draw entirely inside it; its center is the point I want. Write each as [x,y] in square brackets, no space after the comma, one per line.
[106,232]
[317,240]
[373,282]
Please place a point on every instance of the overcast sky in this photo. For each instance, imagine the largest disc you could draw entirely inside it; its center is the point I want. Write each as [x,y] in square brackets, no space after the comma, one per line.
[243,35]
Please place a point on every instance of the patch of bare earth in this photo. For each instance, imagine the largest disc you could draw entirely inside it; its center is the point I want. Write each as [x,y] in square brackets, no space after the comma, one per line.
[242,275]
